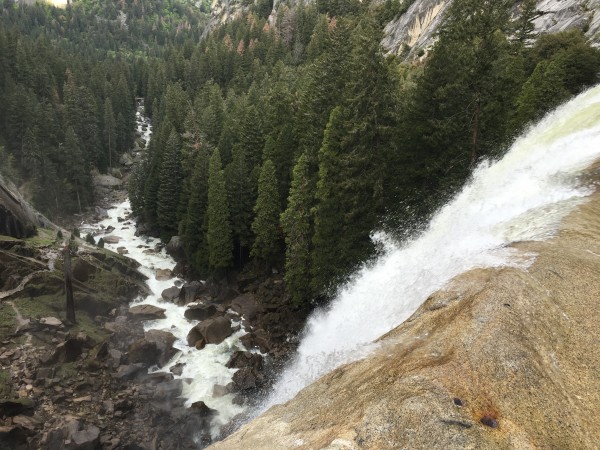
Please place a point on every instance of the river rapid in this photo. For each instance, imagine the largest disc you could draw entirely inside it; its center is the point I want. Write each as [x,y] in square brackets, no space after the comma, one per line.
[202,370]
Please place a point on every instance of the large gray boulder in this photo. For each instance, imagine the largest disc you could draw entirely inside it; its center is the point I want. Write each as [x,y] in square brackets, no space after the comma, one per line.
[146,312]
[200,312]
[213,331]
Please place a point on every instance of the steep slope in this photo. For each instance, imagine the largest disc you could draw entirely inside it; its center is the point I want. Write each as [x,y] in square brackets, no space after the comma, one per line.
[415,30]
[17,218]
[501,358]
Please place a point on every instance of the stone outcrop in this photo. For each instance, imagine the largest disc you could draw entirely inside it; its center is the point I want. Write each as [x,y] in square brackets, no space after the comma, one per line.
[415,30]
[17,218]
[500,358]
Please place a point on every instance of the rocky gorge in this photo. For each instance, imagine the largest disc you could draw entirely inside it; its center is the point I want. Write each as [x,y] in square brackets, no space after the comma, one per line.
[110,381]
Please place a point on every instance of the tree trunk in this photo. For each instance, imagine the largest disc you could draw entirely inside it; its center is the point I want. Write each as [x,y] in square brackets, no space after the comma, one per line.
[69,283]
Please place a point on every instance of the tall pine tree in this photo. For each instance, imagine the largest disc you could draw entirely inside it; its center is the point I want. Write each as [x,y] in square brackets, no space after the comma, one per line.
[170,187]
[218,236]
[266,246]
[296,222]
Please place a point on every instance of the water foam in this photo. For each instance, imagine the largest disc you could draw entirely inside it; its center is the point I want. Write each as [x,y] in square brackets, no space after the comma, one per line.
[521,197]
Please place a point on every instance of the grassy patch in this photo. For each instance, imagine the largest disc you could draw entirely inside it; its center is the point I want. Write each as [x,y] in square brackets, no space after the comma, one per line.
[44,238]
[5,387]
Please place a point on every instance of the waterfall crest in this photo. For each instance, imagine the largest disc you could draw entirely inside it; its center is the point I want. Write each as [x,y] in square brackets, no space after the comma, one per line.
[523,196]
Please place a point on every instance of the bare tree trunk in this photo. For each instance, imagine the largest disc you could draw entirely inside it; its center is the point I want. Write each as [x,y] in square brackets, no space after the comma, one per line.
[69,283]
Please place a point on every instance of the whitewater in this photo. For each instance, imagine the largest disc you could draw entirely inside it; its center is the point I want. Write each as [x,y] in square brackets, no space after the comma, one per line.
[521,197]
[202,370]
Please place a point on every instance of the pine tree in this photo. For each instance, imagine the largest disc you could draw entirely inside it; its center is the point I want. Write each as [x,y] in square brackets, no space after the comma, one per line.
[194,234]
[110,131]
[220,244]
[76,172]
[170,187]
[267,210]
[241,195]
[523,25]
[296,222]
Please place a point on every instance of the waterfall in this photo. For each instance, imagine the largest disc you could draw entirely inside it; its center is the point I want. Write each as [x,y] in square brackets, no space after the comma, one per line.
[521,197]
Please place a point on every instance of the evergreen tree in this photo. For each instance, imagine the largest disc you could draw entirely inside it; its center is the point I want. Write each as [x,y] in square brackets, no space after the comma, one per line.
[169,187]
[267,210]
[218,236]
[241,195]
[194,234]
[296,222]
[110,132]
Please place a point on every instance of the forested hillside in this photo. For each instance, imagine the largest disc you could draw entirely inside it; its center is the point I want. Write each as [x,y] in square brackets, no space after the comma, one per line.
[283,145]
[68,83]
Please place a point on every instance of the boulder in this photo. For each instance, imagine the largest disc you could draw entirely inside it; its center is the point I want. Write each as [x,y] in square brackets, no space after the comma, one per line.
[246,306]
[201,409]
[175,248]
[177,369]
[68,351]
[14,407]
[170,294]
[130,371]
[200,312]
[214,331]
[146,312]
[111,239]
[194,336]
[86,439]
[189,292]
[257,339]
[244,379]
[163,274]
[163,340]
[100,213]
[241,359]
[51,322]
[143,352]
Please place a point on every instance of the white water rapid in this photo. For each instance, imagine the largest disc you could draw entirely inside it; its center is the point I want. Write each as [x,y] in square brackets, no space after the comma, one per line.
[202,369]
[521,197]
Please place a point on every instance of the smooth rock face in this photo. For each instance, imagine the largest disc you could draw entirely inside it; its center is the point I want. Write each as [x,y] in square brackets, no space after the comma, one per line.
[416,29]
[500,359]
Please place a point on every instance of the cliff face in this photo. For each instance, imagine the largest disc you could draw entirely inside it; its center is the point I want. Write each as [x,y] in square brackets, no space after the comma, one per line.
[415,29]
[17,218]
[501,358]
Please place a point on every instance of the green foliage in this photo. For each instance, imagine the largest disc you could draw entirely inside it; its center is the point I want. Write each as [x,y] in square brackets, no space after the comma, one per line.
[196,221]
[169,188]
[296,222]
[267,210]
[89,238]
[220,244]
[100,243]
[308,114]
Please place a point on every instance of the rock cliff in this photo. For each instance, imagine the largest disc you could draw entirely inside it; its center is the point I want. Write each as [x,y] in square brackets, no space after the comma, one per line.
[501,358]
[415,30]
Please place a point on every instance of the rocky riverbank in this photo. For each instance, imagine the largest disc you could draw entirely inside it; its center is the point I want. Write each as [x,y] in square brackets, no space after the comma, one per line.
[87,385]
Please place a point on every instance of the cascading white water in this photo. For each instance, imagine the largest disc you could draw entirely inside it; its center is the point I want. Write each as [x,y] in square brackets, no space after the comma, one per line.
[521,197]
[202,369]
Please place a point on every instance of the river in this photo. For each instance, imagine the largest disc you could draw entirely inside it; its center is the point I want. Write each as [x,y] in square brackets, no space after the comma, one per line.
[202,369]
